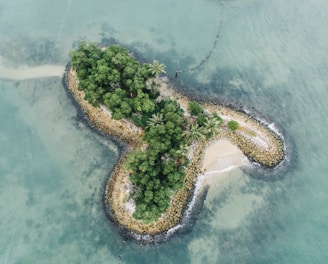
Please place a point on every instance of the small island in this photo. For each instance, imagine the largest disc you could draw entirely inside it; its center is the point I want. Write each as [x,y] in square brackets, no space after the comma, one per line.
[166,132]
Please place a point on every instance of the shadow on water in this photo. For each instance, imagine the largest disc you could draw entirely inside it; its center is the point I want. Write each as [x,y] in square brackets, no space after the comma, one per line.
[257,236]
[258,231]
[30,51]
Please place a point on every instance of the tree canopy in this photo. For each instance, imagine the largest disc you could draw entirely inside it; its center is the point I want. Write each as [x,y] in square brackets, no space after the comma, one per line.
[113,77]
[233,125]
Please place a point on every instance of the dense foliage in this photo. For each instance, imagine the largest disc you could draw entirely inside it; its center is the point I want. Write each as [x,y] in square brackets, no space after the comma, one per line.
[195,108]
[160,169]
[114,78]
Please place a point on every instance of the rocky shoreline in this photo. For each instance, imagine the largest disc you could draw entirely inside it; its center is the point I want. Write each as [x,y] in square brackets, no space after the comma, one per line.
[258,142]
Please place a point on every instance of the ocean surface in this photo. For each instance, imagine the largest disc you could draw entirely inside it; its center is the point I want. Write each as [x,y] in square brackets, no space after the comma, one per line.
[270,56]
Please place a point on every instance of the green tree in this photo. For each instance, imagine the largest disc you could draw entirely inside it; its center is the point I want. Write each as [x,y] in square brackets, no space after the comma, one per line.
[183,149]
[233,125]
[211,126]
[156,119]
[201,119]
[195,133]
[195,108]
[156,68]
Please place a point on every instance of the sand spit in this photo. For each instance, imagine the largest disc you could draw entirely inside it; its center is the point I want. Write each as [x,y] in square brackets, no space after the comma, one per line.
[255,140]
[26,72]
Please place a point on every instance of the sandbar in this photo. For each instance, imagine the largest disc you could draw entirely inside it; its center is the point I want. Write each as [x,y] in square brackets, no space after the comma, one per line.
[23,72]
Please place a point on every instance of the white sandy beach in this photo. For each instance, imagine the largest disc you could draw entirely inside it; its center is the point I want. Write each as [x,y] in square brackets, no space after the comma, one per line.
[221,164]
[222,155]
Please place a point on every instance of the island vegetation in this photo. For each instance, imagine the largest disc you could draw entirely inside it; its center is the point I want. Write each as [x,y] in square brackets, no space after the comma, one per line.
[114,78]
[162,131]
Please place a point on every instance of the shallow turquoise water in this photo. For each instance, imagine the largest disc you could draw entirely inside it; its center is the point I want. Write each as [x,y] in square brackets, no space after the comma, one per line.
[271,56]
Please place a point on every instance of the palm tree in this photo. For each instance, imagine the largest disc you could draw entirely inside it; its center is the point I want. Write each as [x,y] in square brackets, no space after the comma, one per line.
[183,150]
[136,190]
[156,119]
[166,158]
[211,126]
[195,133]
[157,68]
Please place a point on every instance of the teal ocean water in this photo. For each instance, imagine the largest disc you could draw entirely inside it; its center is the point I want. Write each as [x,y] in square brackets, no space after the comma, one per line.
[271,56]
